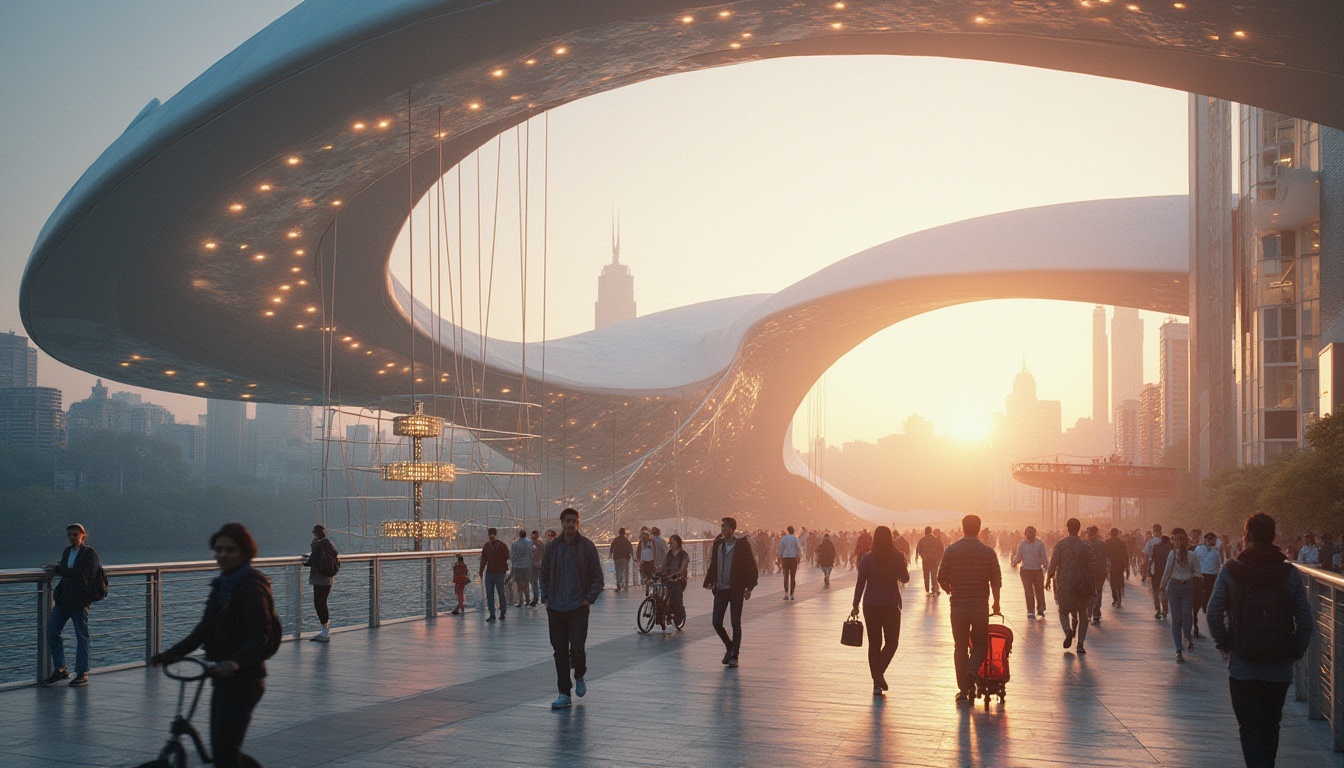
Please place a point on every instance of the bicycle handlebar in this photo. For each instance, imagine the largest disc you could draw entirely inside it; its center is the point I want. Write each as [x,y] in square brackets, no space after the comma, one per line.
[201,666]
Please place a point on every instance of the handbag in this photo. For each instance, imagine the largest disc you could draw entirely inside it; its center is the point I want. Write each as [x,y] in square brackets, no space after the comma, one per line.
[851,632]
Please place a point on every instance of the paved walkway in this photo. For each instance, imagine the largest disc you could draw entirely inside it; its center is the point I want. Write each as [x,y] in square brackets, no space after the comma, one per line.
[465,693]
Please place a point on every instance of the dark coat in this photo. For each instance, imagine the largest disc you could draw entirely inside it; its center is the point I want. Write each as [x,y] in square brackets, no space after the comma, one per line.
[75,589]
[238,630]
[744,575]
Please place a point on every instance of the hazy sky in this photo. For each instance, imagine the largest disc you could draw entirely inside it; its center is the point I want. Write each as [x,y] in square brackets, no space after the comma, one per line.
[731,181]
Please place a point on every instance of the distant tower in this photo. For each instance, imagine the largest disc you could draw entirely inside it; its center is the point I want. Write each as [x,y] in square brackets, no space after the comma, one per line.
[18,361]
[1101,407]
[615,288]
[1126,355]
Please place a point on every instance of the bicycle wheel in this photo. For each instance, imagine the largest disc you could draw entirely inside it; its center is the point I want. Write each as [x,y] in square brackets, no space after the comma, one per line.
[680,621]
[644,618]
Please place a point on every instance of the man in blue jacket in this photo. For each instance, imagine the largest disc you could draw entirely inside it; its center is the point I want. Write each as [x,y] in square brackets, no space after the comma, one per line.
[571,580]
[1261,622]
[78,568]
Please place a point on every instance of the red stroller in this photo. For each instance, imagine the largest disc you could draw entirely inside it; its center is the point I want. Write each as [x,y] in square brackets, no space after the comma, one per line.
[993,675]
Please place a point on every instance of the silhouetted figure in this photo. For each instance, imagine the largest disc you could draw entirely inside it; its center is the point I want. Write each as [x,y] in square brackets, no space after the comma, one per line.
[969,573]
[881,573]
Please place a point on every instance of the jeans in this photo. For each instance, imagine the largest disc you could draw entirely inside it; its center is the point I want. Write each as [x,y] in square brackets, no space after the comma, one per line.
[230,713]
[676,590]
[970,642]
[725,599]
[522,579]
[1033,583]
[535,582]
[1159,595]
[494,583]
[931,575]
[790,574]
[1118,584]
[1074,623]
[826,571]
[320,594]
[569,633]
[883,621]
[622,573]
[59,615]
[1258,705]
[1095,612]
[1181,597]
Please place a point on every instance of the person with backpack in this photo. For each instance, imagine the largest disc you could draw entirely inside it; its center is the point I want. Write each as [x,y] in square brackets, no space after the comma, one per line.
[323,564]
[83,582]
[239,630]
[1157,563]
[1072,573]
[1261,622]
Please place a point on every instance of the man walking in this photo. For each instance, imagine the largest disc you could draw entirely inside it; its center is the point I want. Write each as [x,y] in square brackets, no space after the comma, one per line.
[1155,553]
[538,550]
[571,580]
[1117,557]
[520,564]
[1031,559]
[826,558]
[323,562]
[1261,622]
[789,550]
[929,551]
[78,568]
[1102,567]
[1210,558]
[969,573]
[731,575]
[494,570]
[1072,569]
[621,551]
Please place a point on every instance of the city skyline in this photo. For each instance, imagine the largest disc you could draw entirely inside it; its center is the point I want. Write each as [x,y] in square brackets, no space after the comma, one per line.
[828,201]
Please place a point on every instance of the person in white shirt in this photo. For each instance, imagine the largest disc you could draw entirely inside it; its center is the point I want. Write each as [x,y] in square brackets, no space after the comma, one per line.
[1033,558]
[789,550]
[1309,554]
[1210,557]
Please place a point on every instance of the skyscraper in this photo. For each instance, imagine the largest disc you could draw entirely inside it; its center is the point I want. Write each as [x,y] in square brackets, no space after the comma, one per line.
[1174,361]
[615,288]
[1101,406]
[31,417]
[1126,355]
[1150,425]
[225,439]
[18,361]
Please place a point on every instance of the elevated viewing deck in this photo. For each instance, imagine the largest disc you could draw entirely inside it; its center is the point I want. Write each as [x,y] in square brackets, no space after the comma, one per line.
[1107,479]
[457,691]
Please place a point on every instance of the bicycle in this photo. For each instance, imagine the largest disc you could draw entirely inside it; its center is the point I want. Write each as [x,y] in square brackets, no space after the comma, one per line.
[173,754]
[657,608]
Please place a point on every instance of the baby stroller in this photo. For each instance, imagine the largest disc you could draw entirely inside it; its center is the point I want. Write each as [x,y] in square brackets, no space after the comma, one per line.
[173,754]
[993,676]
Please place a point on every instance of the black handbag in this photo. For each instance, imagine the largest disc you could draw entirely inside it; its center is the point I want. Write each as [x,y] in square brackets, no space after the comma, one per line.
[851,632]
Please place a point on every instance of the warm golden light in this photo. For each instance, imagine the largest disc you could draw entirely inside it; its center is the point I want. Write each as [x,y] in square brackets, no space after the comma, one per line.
[299,252]
[125,365]
[687,19]
[284,287]
[419,472]
[474,105]
[530,62]
[312,310]
[170,373]
[296,270]
[1132,7]
[422,529]
[498,73]
[725,14]
[265,188]
[561,51]
[292,234]
[359,126]
[734,45]
[211,246]
[1180,6]
[1239,33]
[236,207]
[384,123]
[837,25]
[269,313]
[980,20]
[298,326]
[200,383]
[746,35]
[303,282]
[336,203]
[348,338]
[277,300]
[242,246]
[292,160]
[260,257]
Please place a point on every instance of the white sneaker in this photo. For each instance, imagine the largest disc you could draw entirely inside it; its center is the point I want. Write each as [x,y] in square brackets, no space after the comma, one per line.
[580,687]
[561,702]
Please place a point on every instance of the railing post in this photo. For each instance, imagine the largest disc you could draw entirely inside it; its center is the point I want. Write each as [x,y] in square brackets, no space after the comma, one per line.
[375,586]
[153,614]
[1336,672]
[431,587]
[296,601]
[1315,654]
[43,617]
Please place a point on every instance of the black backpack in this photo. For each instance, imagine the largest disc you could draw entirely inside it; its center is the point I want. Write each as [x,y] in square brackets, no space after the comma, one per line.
[98,589]
[1263,625]
[327,561]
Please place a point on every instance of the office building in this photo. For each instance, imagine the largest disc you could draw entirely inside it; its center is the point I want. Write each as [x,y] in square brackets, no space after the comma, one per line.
[1101,404]
[31,417]
[226,440]
[615,289]
[1126,354]
[18,361]
[1174,380]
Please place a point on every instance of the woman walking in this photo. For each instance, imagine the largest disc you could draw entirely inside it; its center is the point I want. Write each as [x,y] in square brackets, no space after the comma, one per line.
[1178,579]
[236,632]
[882,571]
[676,566]
[460,581]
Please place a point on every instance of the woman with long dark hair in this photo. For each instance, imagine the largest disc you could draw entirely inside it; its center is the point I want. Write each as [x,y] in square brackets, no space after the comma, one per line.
[1178,579]
[676,567]
[882,571]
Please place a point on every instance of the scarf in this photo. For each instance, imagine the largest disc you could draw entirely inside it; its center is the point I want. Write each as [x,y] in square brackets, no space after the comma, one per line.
[223,585]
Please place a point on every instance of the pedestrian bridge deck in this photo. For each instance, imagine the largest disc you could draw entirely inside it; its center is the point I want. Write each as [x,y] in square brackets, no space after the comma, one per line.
[458,691]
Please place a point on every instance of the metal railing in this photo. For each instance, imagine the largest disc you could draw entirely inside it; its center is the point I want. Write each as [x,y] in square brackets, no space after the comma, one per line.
[1318,678]
[153,602]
